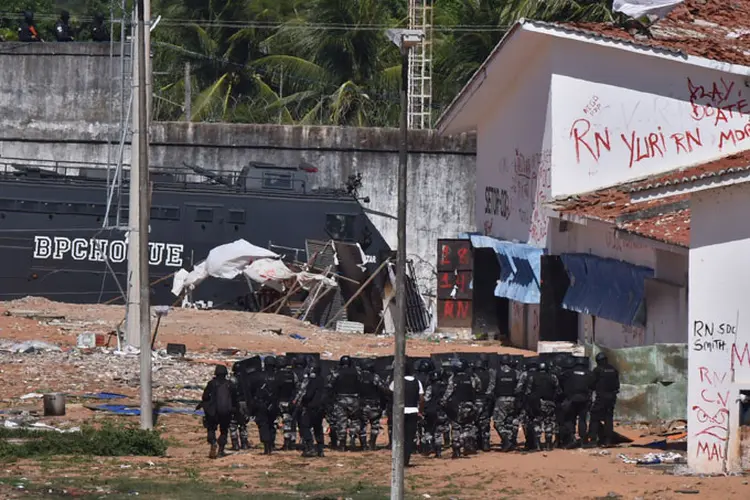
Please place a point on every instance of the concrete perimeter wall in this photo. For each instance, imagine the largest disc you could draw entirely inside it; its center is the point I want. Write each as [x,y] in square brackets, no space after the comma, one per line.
[62,102]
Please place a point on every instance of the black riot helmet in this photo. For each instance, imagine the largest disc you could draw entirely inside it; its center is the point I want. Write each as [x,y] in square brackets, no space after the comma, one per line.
[568,362]
[601,359]
[506,359]
[460,366]
[236,367]
[435,376]
[269,362]
[282,362]
[484,361]
[345,361]
[532,364]
[99,18]
[221,371]
[368,365]
[65,15]
[28,16]
[300,361]
[423,366]
[543,367]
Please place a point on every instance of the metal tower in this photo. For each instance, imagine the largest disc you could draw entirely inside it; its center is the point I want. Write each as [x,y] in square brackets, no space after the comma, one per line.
[419,112]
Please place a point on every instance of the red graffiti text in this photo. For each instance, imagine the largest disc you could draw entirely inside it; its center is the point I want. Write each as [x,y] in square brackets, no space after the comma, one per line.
[593,144]
[733,137]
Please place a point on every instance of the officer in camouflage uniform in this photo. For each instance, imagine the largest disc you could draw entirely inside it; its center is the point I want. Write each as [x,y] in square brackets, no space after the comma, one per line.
[423,368]
[507,408]
[541,392]
[287,383]
[371,394]
[436,420]
[484,400]
[344,385]
[241,417]
[458,401]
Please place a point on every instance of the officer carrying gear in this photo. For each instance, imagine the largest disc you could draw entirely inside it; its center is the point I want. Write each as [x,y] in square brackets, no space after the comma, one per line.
[99,32]
[507,411]
[63,30]
[287,381]
[436,420]
[371,395]
[423,369]
[484,400]
[218,403]
[606,385]
[240,417]
[344,385]
[458,401]
[542,390]
[27,31]
[310,404]
[266,404]
[576,385]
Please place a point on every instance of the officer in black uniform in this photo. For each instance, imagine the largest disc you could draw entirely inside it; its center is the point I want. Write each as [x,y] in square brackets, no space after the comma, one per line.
[99,32]
[576,385]
[63,30]
[484,401]
[458,401]
[507,410]
[344,386]
[27,31]
[606,385]
[436,420]
[266,404]
[371,396]
[218,403]
[310,405]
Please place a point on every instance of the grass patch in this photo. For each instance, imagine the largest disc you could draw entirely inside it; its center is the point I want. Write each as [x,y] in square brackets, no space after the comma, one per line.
[109,441]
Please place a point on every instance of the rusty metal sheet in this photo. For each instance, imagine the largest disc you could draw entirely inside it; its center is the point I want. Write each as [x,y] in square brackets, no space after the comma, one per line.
[454,285]
[455,255]
[454,313]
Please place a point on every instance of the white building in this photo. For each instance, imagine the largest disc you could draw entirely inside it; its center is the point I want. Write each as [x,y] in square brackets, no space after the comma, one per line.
[561,116]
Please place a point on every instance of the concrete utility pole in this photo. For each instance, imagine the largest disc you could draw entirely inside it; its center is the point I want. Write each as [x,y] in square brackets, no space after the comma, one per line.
[405,40]
[188,94]
[139,320]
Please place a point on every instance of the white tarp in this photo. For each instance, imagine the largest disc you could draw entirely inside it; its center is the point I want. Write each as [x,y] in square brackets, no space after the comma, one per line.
[640,8]
[178,283]
[263,270]
[307,280]
[227,261]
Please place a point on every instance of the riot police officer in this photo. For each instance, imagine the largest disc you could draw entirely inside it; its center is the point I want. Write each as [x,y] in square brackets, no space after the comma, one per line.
[606,385]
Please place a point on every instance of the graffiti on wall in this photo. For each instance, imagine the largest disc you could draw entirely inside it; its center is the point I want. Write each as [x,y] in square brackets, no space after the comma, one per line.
[512,201]
[714,343]
[714,109]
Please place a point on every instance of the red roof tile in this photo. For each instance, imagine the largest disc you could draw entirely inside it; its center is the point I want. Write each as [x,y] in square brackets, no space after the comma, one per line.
[737,162]
[714,29]
[666,220]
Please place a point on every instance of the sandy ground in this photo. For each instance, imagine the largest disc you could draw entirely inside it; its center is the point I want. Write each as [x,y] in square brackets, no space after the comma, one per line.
[558,474]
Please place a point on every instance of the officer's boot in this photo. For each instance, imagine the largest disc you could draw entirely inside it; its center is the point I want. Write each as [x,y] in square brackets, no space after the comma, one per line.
[244,443]
[438,450]
[352,442]
[221,453]
[456,452]
[235,444]
[309,450]
[319,448]
[267,448]
[363,442]
[373,442]
[213,452]
[507,445]
[485,444]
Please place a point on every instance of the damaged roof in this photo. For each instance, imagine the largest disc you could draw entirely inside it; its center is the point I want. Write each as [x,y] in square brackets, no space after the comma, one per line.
[712,29]
[666,220]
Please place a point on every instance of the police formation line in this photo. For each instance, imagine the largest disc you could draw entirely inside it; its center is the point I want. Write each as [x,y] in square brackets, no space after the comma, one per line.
[451,405]
[64,31]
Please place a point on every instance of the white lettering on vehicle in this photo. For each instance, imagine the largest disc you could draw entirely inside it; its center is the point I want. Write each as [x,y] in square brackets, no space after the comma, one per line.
[99,250]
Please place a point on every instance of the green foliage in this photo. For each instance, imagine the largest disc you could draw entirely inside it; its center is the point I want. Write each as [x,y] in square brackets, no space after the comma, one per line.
[109,441]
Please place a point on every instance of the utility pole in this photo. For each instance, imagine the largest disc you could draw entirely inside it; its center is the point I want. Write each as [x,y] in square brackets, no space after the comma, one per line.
[405,40]
[188,94]
[139,320]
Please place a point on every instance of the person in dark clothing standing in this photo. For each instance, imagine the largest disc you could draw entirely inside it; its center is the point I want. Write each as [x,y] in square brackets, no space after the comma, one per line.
[458,401]
[435,418]
[484,401]
[423,369]
[27,31]
[413,404]
[218,402]
[63,30]
[241,416]
[99,32]
[542,391]
[266,404]
[287,389]
[344,386]
[371,395]
[310,404]
[576,385]
[507,409]
[606,385]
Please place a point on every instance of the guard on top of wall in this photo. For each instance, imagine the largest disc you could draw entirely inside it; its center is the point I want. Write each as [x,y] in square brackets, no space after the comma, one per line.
[63,30]
[27,31]
[99,32]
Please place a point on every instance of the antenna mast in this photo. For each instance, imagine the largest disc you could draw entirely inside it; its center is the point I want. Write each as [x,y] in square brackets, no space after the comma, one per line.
[419,109]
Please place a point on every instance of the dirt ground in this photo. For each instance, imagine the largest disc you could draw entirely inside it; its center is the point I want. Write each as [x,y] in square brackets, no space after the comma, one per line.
[566,474]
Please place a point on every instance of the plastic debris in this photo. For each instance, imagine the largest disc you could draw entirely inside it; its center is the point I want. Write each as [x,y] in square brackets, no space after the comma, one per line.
[653,459]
